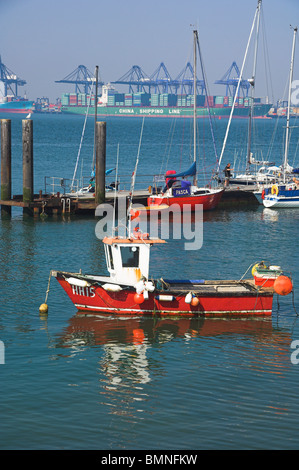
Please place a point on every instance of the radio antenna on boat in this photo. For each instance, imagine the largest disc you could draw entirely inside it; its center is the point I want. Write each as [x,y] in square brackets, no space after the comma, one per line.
[115,189]
[134,178]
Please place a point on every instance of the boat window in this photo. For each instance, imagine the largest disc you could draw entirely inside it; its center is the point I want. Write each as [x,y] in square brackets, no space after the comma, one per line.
[110,256]
[130,256]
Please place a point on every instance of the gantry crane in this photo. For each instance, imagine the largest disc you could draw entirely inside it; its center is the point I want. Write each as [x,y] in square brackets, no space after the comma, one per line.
[231,78]
[82,78]
[10,80]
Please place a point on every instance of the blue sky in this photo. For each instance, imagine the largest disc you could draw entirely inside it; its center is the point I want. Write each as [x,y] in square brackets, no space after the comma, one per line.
[43,41]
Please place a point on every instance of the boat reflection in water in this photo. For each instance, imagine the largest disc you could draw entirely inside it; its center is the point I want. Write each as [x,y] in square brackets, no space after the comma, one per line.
[132,351]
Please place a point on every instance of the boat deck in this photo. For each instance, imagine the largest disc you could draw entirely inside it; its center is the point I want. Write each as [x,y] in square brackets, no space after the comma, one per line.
[200,287]
[219,287]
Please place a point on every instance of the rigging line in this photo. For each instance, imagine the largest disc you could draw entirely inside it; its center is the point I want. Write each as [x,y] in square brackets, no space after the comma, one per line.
[182,145]
[296,150]
[81,141]
[291,133]
[252,89]
[237,90]
[270,148]
[285,161]
[267,58]
[206,88]
[168,146]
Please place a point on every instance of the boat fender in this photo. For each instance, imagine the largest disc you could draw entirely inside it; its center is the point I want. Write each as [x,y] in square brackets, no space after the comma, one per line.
[195,301]
[254,268]
[274,189]
[275,268]
[138,298]
[112,287]
[263,194]
[165,298]
[139,287]
[144,286]
[258,265]
[149,286]
[188,298]
[77,282]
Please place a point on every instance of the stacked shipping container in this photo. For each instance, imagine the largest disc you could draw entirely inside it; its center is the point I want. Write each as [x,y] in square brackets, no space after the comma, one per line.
[155,100]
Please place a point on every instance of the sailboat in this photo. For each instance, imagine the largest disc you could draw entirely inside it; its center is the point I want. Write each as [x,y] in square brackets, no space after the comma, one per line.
[180,191]
[286,193]
[267,172]
[261,176]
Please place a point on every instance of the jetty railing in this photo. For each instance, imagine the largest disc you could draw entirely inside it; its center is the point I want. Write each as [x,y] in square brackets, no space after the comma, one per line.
[55,184]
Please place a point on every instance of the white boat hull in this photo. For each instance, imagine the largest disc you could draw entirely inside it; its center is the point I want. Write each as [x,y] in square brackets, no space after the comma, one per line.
[281,202]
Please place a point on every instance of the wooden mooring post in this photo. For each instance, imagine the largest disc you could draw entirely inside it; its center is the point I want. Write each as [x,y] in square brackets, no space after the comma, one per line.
[5,165]
[27,132]
[100,162]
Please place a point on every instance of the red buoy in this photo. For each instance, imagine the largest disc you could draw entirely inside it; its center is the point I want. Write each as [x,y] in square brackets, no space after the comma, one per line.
[283,285]
[194,301]
[138,298]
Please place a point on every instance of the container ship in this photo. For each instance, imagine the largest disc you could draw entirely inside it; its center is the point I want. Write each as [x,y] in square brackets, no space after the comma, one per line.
[10,100]
[16,106]
[112,103]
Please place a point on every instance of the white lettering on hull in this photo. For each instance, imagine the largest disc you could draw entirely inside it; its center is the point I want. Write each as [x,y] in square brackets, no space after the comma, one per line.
[84,291]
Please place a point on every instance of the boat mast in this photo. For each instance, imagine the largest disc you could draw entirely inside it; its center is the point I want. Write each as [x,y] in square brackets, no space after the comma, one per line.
[289,103]
[195,37]
[252,83]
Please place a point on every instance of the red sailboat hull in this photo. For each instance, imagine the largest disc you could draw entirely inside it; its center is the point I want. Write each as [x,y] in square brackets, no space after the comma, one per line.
[208,201]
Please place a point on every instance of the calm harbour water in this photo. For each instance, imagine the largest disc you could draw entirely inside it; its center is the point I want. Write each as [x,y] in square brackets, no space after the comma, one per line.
[119,384]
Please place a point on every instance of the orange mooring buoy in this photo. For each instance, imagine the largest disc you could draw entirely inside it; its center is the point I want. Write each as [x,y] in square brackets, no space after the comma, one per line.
[283,285]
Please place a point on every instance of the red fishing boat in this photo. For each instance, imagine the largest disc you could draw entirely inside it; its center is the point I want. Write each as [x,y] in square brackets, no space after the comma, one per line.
[130,290]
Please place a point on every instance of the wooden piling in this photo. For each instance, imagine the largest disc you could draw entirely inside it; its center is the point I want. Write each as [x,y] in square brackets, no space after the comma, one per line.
[100,162]
[5,165]
[27,128]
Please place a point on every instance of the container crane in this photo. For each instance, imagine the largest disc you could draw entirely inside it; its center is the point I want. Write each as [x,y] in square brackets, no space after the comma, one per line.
[82,78]
[231,78]
[10,80]
[185,82]
[136,77]
[162,80]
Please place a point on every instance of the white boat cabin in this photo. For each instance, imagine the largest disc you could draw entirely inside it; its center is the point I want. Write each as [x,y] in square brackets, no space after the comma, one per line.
[128,258]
